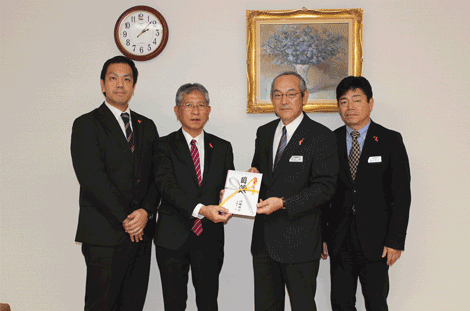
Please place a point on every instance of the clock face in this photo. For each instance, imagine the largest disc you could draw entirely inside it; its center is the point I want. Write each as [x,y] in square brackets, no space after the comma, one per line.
[141,33]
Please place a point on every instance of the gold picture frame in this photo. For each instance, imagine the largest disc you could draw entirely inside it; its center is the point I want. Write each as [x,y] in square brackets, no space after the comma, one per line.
[326,44]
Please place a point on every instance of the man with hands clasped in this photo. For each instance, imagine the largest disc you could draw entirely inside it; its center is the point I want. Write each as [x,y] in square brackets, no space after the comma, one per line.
[112,154]
[299,162]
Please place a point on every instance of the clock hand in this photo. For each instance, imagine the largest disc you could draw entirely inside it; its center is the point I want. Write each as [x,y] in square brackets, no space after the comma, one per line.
[145,29]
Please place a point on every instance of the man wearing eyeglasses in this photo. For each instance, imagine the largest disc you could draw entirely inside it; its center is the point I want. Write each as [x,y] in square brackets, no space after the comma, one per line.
[191,170]
[299,162]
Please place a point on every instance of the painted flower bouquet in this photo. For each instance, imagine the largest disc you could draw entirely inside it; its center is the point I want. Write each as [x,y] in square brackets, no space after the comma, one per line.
[302,45]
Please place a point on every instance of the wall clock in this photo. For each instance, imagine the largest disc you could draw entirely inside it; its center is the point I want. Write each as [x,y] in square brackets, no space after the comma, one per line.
[141,33]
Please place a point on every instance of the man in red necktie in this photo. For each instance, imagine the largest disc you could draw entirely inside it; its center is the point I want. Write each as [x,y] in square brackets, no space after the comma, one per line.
[191,168]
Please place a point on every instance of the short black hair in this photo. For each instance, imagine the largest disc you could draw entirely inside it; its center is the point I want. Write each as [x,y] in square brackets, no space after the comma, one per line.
[120,60]
[353,83]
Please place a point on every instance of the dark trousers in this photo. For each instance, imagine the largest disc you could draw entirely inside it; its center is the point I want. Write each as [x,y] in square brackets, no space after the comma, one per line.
[271,278]
[350,265]
[205,263]
[117,277]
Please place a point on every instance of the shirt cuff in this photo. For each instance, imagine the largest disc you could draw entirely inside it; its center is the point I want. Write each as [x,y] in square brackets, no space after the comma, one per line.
[196,211]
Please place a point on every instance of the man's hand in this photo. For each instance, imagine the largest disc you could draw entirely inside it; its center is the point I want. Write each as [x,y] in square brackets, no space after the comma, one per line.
[135,223]
[324,254]
[392,255]
[253,170]
[215,213]
[269,206]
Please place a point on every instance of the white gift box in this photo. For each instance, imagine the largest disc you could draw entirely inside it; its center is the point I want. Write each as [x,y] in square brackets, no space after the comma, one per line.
[241,192]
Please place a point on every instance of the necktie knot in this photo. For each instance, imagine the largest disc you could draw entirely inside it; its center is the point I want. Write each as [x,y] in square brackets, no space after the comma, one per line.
[193,142]
[355,134]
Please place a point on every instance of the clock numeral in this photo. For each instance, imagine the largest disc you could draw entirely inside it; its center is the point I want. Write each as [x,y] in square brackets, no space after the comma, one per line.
[141,49]
[157,32]
[141,17]
[154,41]
[149,48]
[133,19]
[128,42]
[154,22]
[124,34]
[133,48]
[128,25]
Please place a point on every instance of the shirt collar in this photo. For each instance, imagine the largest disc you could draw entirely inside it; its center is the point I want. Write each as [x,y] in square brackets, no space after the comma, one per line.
[199,138]
[116,112]
[362,131]
[291,127]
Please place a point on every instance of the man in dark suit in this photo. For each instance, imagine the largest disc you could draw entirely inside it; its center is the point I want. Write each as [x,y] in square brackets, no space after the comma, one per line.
[112,154]
[191,172]
[299,162]
[369,213]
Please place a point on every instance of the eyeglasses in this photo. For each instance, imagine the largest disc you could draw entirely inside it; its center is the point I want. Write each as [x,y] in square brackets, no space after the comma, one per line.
[289,95]
[197,106]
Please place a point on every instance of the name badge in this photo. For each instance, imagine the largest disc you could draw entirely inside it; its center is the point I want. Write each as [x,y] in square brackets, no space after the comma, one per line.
[296,159]
[376,159]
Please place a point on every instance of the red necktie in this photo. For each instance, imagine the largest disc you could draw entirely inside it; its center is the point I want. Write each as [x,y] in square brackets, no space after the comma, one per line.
[197,227]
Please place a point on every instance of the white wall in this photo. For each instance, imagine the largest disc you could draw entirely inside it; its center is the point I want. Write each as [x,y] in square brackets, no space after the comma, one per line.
[51,53]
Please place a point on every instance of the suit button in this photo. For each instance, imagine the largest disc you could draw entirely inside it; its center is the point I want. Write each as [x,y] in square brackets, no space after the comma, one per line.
[354,191]
[137,181]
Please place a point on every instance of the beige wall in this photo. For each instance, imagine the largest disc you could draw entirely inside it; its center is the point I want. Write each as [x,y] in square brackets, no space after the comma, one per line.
[51,52]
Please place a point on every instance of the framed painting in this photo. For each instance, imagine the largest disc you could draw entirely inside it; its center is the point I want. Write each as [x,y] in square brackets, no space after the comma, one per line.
[323,46]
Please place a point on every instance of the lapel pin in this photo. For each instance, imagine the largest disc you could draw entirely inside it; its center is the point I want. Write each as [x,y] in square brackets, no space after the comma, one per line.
[300,142]
[139,121]
[211,145]
[376,139]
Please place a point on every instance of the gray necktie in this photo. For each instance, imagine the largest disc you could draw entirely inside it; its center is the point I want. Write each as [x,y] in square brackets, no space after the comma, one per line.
[129,133]
[281,147]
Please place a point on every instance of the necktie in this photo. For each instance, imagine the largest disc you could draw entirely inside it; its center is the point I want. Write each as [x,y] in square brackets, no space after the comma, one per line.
[197,227]
[354,154]
[129,133]
[281,147]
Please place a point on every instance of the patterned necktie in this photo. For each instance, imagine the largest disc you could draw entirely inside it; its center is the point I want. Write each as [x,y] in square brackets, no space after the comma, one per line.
[281,147]
[197,227]
[129,133]
[354,154]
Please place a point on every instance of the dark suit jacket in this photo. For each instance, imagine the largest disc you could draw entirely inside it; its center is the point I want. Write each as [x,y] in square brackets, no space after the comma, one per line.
[380,194]
[294,234]
[177,182]
[113,181]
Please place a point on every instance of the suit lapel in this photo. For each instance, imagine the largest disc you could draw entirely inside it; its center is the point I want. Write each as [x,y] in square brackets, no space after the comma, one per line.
[183,150]
[343,152]
[137,128]
[369,147]
[208,150]
[109,121]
